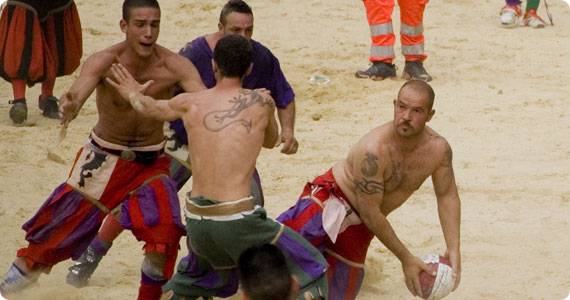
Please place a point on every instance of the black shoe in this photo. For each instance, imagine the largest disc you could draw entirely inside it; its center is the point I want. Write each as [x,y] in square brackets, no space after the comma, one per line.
[50,107]
[415,70]
[18,111]
[378,71]
[83,268]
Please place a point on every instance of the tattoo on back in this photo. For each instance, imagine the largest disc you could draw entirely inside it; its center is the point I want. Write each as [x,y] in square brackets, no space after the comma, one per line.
[217,120]
[369,168]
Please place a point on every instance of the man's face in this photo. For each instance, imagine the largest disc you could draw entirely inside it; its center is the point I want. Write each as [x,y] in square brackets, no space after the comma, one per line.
[238,23]
[142,29]
[411,112]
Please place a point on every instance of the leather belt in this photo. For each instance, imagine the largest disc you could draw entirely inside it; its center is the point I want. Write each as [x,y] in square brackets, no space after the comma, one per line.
[223,209]
[145,157]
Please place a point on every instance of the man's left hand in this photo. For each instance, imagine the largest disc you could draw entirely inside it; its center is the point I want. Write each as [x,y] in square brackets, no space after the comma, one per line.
[289,142]
[455,259]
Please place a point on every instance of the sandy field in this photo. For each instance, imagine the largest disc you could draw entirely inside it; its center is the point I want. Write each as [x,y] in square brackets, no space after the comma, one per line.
[501,101]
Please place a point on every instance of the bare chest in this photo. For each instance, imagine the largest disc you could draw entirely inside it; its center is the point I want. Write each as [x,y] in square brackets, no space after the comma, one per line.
[407,175]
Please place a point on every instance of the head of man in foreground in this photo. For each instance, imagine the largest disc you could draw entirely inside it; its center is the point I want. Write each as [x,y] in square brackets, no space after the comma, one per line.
[413,108]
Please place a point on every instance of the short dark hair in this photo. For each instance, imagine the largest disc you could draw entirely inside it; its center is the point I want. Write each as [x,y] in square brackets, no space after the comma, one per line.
[130,4]
[233,54]
[264,274]
[420,86]
[231,6]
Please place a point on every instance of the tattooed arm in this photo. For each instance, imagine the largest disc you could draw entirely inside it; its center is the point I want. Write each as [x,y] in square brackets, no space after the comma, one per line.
[449,209]
[368,168]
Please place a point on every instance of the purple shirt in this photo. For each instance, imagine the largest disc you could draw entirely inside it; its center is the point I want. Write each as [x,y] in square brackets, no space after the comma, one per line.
[266,74]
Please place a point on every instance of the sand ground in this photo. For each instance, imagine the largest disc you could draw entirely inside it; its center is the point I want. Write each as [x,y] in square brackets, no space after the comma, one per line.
[501,101]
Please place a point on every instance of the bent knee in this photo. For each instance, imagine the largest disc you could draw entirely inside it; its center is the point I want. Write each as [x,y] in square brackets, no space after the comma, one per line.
[168,295]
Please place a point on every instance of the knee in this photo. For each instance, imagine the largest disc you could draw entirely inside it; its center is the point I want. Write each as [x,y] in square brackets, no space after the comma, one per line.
[168,295]
[153,265]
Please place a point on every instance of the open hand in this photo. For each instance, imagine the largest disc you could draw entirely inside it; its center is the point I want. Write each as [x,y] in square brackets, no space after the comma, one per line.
[67,108]
[125,83]
[455,259]
[412,269]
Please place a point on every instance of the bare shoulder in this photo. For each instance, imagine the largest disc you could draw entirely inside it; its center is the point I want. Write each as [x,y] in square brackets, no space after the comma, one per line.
[172,60]
[372,145]
[102,60]
[259,96]
[377,139]
[440,146]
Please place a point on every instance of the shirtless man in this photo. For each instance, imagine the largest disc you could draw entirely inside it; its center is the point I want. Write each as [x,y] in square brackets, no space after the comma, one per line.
[379,174]
[122,163]
[229,125]
[236,17]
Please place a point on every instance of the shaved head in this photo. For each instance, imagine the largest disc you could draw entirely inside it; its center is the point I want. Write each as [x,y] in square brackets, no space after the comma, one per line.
[420,86]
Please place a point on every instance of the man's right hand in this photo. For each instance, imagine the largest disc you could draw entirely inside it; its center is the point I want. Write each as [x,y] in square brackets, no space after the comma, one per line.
[412,268]
[67,108]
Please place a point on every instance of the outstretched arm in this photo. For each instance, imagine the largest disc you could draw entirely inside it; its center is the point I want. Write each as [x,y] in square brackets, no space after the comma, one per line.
[449,209]
[132,91]
[368,169]
[190,80]
[89,77]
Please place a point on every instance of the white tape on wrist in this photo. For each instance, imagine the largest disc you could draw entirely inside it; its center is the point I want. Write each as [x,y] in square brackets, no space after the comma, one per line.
[135,101]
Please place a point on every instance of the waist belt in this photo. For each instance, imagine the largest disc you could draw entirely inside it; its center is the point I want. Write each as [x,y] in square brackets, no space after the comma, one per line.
[222,209]
[144,157]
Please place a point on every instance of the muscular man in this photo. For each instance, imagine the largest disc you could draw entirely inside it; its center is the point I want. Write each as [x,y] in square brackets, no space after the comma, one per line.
[122,163]
[228,126]
[341,211]
[379,16]
[236,17]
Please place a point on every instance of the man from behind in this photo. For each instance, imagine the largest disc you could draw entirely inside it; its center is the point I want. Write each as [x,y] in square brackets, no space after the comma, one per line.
[229,125]
[236,17]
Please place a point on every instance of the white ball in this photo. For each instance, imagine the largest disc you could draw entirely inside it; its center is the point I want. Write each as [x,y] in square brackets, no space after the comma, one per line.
[435,288]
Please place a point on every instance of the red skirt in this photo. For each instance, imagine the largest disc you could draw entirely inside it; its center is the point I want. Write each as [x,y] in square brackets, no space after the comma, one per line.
[39,50]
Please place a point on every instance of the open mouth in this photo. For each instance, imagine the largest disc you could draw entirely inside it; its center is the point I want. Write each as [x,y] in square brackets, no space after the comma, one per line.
[146,45]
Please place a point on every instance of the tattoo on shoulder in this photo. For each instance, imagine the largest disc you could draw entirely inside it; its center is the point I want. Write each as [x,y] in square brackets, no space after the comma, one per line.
[447,157]
[369,187]
[369,166]
[217,120]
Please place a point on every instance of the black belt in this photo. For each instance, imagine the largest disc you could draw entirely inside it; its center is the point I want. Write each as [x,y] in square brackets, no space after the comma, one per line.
[144,157]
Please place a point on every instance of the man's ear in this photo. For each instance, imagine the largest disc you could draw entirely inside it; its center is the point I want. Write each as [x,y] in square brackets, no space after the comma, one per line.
[430,114]
[221,27]
[249,69]
[214,66]
[294,287]
[123,25]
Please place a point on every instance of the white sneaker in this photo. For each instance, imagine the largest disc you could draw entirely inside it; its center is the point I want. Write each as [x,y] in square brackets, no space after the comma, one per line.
[533,20]
[510,15]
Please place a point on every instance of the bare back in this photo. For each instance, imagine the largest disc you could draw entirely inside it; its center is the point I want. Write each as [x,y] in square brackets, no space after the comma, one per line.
[226,130]
[403,171]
